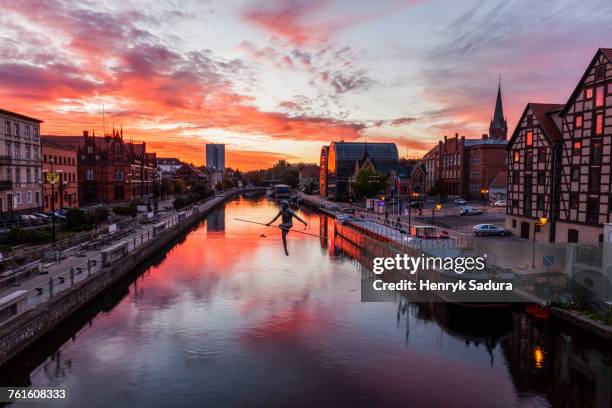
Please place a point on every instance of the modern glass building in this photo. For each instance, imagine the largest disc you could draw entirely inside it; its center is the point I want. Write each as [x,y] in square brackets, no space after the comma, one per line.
[342,158]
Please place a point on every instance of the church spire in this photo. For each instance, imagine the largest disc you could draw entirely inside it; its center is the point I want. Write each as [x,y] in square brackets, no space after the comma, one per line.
[498,128]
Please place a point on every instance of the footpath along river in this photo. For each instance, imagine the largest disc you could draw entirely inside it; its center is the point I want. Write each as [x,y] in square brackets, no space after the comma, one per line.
[224,318]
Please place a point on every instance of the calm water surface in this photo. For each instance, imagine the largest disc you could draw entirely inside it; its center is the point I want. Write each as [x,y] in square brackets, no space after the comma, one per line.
[226,319]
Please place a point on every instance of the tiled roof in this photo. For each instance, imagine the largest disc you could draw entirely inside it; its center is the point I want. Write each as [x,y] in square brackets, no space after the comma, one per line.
[500,181]
[544,114]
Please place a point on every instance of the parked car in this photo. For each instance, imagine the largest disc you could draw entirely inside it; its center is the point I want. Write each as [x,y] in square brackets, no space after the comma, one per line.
[460,201]
[500,203]
[469,210]
[414,204]
[489,229]
[42,216]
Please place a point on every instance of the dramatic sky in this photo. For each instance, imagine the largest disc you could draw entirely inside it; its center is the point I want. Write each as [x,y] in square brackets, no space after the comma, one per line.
[278,78]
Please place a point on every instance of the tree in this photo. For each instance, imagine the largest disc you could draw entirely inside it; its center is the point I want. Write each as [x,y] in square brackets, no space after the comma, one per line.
[439,188]
[369,183]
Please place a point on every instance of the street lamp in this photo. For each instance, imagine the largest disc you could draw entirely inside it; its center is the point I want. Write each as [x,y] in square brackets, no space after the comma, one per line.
[483,194]
[52,177]
[541,221]
[437,206]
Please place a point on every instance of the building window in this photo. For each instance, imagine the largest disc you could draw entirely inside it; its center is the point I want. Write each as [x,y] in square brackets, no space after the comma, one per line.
[575,173]
[529,120]
[540,203]
[573,201]
[541,178]
[529,138]
[594,179]
[29,196]
[17,198]
[588,93]
[515,204]
[599,72]
[542,154]
[119,175]
[528,161]
[599,123]
[27,132]
[599,96]
[7,128]
[514,223]
[596,150]
[572,235]
[28,152]
[90,174]
[578,121]
[35,133]
[515,176]
[576,147]
[16,129]
[89,149]
[592,215]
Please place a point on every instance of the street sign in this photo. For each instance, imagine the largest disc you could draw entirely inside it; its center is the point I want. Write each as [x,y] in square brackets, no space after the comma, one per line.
[548,260]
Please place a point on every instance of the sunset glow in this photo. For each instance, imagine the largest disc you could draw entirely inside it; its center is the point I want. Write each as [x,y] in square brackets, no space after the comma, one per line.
[277,79]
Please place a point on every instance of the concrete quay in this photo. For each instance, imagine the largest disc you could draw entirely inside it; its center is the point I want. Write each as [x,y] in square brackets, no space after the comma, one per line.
[43,301]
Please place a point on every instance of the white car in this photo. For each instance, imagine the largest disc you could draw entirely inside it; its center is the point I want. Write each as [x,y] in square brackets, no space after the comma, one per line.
[500,203]
[460,201]
[468,210]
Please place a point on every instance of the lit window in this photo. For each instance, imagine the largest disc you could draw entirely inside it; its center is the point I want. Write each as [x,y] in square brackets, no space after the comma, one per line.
[599,124]
[599,96]
[578,121]
[577,146]
[529,138]
[588,93]
[517,157]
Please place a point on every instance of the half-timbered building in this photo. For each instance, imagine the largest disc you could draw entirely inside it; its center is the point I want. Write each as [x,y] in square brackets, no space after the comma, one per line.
[585,193]
[533,172]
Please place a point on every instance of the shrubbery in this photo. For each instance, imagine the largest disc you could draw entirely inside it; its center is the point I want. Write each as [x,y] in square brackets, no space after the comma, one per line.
[129,209]
[79,220]
[197,193]
[18,236]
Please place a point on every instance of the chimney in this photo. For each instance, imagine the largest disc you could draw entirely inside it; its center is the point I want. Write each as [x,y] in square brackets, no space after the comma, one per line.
[85,133]
[485,136]
[456,135]
[445,138]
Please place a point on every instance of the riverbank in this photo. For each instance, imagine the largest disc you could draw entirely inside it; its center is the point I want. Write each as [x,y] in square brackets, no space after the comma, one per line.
[114,259]
[573,318]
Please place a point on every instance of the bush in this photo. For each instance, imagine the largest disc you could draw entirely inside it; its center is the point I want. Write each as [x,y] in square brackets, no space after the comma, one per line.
[129,209]
[198,193]
[100,214]
[18,236]
[79,220]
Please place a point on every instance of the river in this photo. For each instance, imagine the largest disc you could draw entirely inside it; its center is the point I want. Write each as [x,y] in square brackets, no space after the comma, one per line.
[224,318]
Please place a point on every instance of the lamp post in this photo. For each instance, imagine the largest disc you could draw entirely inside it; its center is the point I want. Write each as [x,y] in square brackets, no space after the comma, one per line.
[483,194]
[542,221]
[437,206]
[52,177]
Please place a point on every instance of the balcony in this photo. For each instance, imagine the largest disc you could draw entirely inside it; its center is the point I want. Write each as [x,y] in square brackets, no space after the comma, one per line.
[6,185]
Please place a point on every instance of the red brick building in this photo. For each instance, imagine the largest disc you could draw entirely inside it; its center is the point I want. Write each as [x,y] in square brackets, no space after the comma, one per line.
[468,166]
[59,167]
[111,170]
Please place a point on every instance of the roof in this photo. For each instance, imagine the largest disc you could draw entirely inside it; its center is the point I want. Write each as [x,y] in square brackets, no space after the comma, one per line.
[51,142]
[72,142]
[500,181]
[19,115]
[355,150]
[498,120]
[607,52]
[545,114]
[168,161]
[488,141]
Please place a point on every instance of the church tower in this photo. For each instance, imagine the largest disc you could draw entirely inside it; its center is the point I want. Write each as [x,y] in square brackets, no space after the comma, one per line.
[498,128]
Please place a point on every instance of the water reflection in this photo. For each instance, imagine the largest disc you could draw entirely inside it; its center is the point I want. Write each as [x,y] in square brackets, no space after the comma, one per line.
[229,320]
